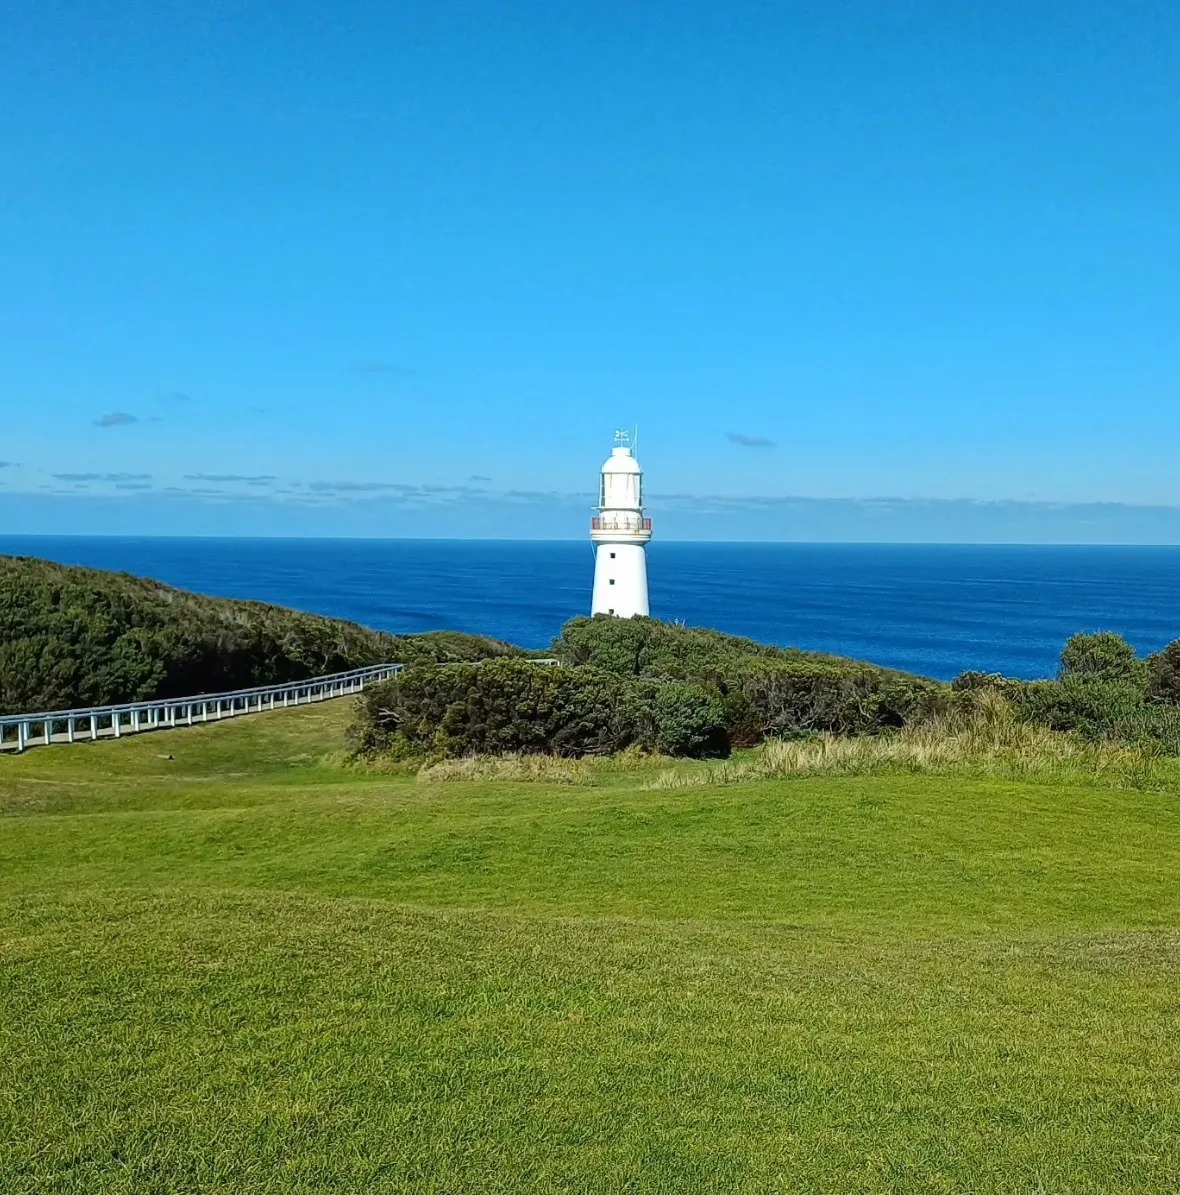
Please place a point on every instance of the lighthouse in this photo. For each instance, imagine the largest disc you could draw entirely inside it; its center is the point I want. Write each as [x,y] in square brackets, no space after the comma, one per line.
[620,533]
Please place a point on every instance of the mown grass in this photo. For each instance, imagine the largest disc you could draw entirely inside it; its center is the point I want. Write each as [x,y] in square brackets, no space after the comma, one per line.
[247,969]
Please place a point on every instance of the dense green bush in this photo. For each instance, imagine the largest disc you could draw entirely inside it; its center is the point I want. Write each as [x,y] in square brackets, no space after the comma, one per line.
[1103,692]
[667,650]
[764,690]
[1163,675]
[1087,705]
[516,705]
[1103,656]
[78,637]
[679,718]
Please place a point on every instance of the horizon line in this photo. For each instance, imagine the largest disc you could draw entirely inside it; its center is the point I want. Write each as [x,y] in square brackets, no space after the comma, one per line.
[811,543]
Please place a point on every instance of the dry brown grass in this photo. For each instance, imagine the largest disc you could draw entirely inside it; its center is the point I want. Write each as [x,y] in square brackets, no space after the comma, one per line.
[544,769]
[547,769]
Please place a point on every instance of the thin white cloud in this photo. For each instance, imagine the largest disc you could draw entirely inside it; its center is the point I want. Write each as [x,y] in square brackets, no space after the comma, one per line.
[227,478]
[112,477]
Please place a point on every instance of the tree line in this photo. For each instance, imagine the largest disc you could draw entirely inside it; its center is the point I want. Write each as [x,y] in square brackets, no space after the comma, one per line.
[74,637]
[692,691]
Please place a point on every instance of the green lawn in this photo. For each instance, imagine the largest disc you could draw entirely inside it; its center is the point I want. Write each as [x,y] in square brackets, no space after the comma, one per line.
[244,970]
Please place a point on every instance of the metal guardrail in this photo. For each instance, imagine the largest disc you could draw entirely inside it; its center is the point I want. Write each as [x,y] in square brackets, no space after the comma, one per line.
[19,731]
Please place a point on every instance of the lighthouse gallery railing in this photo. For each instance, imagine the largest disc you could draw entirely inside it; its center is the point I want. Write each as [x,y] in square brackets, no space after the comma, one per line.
[599,524]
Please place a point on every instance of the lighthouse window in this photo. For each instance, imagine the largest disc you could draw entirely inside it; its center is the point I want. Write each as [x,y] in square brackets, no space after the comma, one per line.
[612,555]
[612,581]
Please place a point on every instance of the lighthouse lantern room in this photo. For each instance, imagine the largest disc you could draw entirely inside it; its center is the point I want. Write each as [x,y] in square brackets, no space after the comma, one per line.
[620,533]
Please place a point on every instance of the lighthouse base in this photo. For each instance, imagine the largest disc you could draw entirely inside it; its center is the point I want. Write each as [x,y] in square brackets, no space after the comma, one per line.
[620,580]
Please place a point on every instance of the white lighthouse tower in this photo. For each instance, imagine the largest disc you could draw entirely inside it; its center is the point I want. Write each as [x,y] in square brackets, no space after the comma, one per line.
[620,534]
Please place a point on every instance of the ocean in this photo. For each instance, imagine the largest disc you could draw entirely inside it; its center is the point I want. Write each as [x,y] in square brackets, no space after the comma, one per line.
[933,609]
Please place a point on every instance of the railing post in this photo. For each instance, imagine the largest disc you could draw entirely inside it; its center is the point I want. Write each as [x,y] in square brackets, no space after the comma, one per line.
[22,735]
[115,720]
[93,727]
[70,724]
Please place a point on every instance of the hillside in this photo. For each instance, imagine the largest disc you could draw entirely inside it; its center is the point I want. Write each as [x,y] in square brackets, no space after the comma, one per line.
[74,636]
[232,966]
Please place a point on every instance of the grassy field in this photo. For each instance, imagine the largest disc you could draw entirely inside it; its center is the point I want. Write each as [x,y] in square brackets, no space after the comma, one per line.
[243,969]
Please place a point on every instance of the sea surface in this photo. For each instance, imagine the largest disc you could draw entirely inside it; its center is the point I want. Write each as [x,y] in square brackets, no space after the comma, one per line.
[932,609]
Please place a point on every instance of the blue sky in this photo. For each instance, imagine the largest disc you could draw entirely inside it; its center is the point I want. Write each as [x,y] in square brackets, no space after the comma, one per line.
[856,270]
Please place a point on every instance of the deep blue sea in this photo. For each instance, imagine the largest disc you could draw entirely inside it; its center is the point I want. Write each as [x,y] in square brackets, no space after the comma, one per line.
[933,609]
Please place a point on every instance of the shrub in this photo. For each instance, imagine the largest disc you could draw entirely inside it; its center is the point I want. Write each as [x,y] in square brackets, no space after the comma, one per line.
[1103,656]
[1087,705]
[507,705]
[763,690]
[668,651]
[973,682]
[1103,693]
[790,699]
[686,720]
[1163,680]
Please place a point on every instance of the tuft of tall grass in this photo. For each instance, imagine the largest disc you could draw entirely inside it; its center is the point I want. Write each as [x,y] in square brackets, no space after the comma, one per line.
[544,769]
[548,769]
[981,736]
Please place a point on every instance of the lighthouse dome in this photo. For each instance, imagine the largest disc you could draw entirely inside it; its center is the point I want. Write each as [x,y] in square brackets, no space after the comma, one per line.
[621,461]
